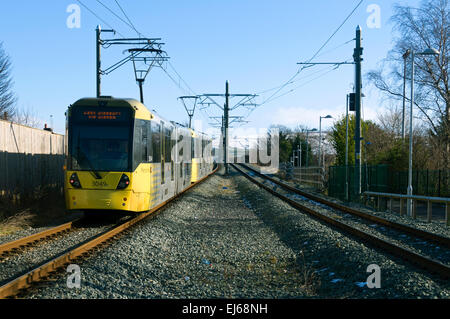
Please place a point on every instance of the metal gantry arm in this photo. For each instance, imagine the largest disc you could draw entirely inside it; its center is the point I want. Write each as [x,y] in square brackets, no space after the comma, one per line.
[140,47]
[245,101]
[208,97]
[190,111]
[148,46]
[140,75]
[309,64]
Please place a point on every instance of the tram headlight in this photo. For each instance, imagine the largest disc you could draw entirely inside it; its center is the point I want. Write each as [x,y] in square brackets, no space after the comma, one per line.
[74,181]
[124,182]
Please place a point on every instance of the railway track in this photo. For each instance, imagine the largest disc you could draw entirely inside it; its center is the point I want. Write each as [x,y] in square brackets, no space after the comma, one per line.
[15,246]
[18,283]
[426,250]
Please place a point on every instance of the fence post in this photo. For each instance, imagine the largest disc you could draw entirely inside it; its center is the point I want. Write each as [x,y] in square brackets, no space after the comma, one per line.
[417,182]
[401,206]
[414,208]
[390,204]
[439,183]
[447,214]
[429,211]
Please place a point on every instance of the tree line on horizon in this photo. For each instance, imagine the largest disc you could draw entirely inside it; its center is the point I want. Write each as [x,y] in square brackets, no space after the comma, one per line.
[418,29]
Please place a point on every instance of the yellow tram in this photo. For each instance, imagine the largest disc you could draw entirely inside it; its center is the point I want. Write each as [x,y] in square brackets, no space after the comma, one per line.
[121,156]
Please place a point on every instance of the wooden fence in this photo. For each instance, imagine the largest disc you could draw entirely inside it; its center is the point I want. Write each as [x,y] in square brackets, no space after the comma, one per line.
[30,159]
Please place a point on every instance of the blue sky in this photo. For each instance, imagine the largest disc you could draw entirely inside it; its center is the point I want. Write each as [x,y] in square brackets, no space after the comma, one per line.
[254,44]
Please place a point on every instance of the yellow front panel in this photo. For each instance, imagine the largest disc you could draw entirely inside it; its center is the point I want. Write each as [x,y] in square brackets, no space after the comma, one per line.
[102,193]
[99,199]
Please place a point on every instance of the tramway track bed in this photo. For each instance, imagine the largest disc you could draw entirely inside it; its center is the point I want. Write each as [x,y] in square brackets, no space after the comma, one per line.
[21,233]
[24,260]
[436,250]
[228,238]
[29,230]
[437,227]
[336,254]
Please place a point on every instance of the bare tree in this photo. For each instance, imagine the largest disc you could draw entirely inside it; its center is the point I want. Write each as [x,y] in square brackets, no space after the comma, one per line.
[7,97]
[419,29]
[27,116]
[391,121]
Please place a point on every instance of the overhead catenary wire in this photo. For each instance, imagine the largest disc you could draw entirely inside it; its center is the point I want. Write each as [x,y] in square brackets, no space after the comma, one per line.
[115,14]
[314,55]
[178,84]
[186,89]
[126,16]
[335,48]
[184,86]
[303,84]
[297,87]
[98,17]
[296,80]
[130,24]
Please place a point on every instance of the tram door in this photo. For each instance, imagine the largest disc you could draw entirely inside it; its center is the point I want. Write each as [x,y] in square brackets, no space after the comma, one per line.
[172,159]
[163,151]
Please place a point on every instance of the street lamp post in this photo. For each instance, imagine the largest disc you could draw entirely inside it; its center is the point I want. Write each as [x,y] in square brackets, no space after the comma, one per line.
[307,131]
[346,148]
[299,150]
[405,56]
[320,134]
[410,188]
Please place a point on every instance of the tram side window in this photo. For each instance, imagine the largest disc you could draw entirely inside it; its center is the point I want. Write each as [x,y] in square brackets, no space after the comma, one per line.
[140,145]
[156,142]
[180,154]
[203,147]
[149,142]
[144,141]
[168,144]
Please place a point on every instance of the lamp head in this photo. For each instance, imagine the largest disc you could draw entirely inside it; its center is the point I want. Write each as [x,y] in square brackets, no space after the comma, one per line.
[430,51]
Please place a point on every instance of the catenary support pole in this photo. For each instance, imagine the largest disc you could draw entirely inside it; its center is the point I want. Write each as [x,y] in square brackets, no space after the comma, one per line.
[358,86]
[226,108]
[98,63]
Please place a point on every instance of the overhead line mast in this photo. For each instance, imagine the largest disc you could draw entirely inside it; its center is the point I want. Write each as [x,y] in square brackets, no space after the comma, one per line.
[358,86]
[98,58]
[246,100]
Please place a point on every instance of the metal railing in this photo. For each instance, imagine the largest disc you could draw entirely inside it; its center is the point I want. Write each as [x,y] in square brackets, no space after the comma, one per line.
[310,175]
[402,198]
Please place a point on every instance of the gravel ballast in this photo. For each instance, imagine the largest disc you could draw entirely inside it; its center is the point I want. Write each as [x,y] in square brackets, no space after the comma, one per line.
[227,238]
[28,231]
[27,259]
[435,226]
[402,239]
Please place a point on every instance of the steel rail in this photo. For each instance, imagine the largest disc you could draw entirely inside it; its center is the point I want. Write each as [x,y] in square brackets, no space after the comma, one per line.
[442,240]
[32,239]
[404,253]
[14,286]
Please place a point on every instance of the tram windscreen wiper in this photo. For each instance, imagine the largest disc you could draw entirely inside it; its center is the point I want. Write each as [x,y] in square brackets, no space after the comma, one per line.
[88,162]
